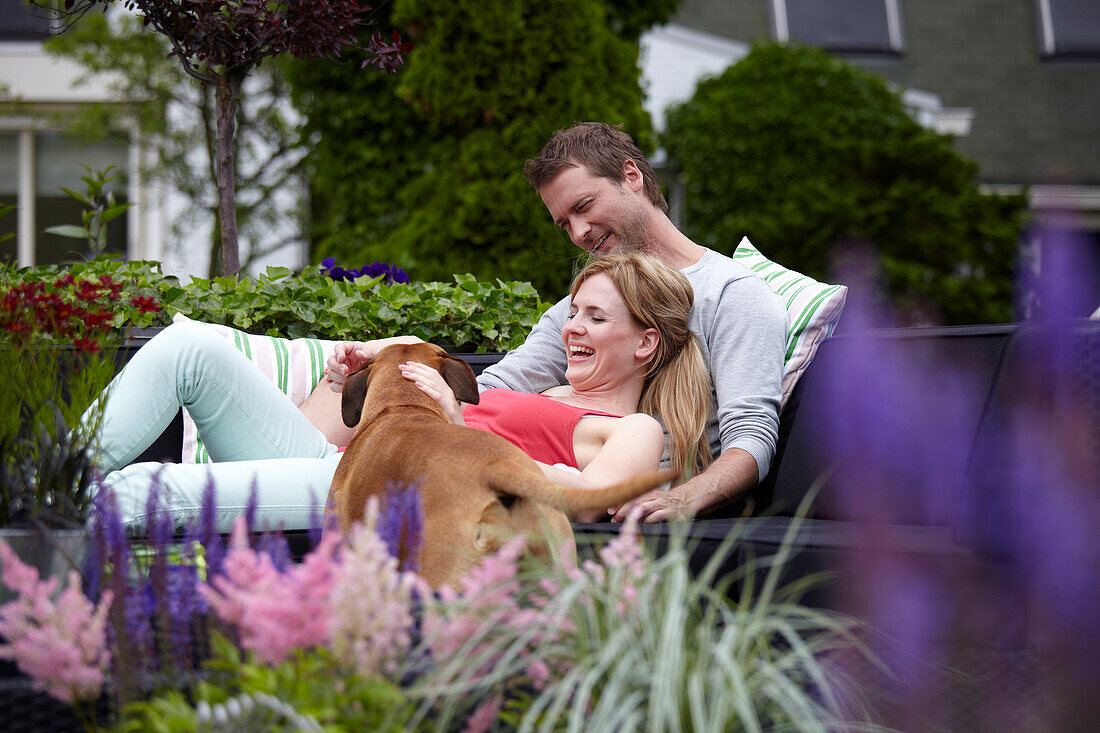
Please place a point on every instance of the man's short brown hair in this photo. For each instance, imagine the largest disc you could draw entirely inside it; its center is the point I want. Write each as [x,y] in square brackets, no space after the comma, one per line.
[597,146]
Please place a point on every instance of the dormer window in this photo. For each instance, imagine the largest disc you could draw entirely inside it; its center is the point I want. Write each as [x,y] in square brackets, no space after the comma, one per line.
[840,26]
[1069,28]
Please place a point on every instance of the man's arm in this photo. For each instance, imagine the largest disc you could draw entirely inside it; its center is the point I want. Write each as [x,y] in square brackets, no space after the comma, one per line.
[539,363]
[730,475]
[743,326]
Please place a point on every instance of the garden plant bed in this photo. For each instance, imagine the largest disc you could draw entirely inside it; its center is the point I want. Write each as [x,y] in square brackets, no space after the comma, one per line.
[910,499]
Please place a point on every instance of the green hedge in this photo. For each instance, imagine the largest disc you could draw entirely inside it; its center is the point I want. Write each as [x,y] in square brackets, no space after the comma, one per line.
[466,313]
[425,167]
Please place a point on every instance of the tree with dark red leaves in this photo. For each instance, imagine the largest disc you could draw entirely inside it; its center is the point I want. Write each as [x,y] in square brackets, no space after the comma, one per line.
[219,42]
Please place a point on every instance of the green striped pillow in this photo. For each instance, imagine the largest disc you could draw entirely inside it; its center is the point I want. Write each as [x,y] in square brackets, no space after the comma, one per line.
[813,309]
[295,366]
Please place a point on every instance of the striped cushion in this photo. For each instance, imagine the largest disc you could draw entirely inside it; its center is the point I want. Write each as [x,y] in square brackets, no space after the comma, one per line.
[295,366]
[813,309]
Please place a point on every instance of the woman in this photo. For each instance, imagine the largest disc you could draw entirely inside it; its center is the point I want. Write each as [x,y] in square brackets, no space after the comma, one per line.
[629,348]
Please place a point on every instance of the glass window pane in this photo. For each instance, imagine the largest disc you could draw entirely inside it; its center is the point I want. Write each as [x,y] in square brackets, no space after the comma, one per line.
[58,162]
[1076,27]
[17,21]
[841,25]
[9,188]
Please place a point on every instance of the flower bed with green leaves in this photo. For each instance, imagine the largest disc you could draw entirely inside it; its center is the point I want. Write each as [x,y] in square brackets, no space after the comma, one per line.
[204,637]
[55,359]
[467,314]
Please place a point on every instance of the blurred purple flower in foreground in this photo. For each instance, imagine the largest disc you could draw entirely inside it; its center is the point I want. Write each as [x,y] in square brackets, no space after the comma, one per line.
[401,525]
[975,476]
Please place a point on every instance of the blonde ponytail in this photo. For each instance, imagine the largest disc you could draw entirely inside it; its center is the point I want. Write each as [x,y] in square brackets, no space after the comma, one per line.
[679,393]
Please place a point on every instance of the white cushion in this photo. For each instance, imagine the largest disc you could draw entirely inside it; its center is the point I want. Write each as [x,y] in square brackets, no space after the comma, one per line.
[295,366]
[813,309]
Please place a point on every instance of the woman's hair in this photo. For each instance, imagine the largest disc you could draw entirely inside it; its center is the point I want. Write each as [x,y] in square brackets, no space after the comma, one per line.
[602,149]
[677,384]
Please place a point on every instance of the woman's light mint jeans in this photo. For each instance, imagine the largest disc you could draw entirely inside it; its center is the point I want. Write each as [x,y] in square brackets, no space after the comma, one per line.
[255,435]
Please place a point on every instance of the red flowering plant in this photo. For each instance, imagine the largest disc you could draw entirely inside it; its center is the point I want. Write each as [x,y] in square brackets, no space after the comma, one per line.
[55,360]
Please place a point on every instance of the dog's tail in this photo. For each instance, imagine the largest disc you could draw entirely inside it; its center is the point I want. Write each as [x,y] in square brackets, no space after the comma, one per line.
[506,480]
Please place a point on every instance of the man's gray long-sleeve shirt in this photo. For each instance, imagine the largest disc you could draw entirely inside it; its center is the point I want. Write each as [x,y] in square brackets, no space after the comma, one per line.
[741,325]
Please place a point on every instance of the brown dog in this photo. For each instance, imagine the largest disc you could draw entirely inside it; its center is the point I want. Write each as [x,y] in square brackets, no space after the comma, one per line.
[476,488]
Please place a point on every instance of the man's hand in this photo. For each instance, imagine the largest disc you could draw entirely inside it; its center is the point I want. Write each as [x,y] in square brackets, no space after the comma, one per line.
[732,474]
[661,506]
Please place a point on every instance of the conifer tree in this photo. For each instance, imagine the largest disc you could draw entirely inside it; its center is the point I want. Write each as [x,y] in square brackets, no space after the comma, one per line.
[424,170]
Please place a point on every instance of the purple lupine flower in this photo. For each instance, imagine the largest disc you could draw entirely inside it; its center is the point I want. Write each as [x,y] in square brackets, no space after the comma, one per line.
[901,423]
[154,591]
[184,604]
[251,507]
[275,546]
[206,532]
[401,525]
[329,522]
[129,632]
[99,547]
[139,640]
[316,521]
[171,597]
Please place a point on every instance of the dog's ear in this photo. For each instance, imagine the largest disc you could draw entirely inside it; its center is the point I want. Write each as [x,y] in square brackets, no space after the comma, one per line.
[354,393]
[460,378]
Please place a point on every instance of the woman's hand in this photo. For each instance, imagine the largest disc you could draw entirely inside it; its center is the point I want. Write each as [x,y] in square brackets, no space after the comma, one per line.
[350,356]
[431,382]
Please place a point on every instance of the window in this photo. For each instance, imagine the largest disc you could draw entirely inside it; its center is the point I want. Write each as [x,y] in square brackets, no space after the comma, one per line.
[852,26]
[18,22]
[34,165]
[9,189]
[1069,28]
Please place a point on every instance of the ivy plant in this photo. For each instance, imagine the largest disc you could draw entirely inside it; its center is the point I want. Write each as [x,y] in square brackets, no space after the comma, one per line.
[466,314]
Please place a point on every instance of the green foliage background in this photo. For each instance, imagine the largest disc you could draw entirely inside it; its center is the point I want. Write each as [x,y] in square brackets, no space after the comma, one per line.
[801,152]
[424,169]
[464,313]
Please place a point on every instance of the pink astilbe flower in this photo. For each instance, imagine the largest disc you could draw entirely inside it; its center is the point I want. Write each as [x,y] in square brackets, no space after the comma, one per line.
[487,596]
[275,612]
[488,605]
[623,558]
[62,646]
[372,617]
[482,718]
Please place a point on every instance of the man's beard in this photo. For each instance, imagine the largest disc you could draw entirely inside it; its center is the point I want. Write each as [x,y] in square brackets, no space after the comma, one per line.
[633,234]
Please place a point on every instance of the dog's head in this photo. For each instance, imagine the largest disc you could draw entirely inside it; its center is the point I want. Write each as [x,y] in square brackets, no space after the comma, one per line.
[381,373]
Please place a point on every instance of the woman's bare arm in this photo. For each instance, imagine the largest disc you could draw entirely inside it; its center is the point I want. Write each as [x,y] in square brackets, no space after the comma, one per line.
[633,446]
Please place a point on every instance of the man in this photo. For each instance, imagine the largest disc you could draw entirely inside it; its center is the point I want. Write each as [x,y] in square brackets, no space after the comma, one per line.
[600,189]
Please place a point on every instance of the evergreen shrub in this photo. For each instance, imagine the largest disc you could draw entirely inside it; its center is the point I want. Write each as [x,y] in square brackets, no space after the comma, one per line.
[803,152]
[425,168]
